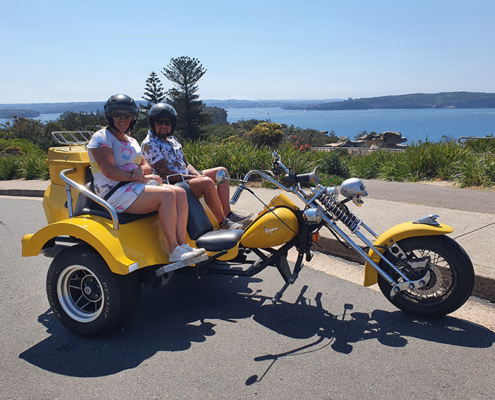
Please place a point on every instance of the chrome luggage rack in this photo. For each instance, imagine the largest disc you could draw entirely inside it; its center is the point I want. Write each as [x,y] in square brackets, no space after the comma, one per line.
[70,138]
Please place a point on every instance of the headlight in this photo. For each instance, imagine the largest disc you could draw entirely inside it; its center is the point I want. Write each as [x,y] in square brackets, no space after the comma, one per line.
[353,187]
[312,216]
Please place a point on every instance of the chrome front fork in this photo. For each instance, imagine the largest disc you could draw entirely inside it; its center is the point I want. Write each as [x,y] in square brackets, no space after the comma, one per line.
[407,284]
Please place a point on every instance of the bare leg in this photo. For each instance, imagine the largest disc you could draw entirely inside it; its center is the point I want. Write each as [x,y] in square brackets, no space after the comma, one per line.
[171,204]
[205,186]
[223,190]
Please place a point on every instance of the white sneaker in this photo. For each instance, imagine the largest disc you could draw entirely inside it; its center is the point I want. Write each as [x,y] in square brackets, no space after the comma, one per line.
[180,254]
[193,250]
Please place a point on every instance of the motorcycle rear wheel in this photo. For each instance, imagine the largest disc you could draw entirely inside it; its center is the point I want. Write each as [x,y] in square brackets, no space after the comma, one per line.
[85,296]
[451,282]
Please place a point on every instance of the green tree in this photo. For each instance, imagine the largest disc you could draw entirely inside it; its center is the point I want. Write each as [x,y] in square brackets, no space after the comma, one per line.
[218,114]
[34,131]
[184,73]
[153,92]
[82,121]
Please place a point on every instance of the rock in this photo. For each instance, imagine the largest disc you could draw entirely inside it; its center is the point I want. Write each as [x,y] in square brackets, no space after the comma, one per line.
[390,137]
[360,143]
[373,140]
[369,136]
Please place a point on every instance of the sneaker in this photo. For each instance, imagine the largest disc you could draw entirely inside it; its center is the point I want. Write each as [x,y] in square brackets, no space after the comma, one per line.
[238,217]
[193,250]
[228,224]
[180,254]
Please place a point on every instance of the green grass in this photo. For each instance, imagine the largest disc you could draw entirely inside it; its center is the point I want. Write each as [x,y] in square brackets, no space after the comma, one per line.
[445,160]
[469,165]
[28,161]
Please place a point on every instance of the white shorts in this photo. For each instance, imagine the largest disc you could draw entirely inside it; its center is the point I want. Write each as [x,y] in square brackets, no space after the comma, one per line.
[125,196]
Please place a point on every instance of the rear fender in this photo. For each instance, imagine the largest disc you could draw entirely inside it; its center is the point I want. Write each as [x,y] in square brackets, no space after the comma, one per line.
[135,245]
[395,234]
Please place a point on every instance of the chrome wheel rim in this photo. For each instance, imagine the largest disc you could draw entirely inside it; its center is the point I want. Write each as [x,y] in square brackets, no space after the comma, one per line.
[80,293]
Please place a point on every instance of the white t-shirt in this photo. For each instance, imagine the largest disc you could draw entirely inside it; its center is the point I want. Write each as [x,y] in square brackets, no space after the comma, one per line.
[127,155]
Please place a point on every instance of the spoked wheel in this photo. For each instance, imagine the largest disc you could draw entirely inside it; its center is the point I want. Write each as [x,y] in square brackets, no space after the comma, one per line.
[80,293]
[85,296]
[450,284]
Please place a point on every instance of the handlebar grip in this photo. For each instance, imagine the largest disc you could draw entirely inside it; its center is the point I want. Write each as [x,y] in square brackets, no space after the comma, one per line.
[237,194]
[303,178]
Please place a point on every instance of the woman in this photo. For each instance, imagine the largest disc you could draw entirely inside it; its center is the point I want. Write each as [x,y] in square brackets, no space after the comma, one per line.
[116,157]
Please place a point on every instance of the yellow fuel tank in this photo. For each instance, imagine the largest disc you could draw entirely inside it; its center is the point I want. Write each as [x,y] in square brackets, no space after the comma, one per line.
[268,230]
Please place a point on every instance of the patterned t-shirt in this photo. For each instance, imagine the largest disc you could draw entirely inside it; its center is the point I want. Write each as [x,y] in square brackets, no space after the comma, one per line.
[126,155]
[155,149]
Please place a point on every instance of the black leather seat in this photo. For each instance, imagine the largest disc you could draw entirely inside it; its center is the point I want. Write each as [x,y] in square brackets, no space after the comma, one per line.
[201,230]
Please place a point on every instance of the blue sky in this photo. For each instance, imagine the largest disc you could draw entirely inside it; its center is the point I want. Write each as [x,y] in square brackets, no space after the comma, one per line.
[63,51]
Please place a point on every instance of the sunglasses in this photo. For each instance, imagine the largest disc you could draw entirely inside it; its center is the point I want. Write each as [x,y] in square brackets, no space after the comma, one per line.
[161,122]
[123,115]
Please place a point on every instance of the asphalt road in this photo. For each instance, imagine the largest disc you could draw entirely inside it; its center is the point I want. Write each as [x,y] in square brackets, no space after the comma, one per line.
[222,338]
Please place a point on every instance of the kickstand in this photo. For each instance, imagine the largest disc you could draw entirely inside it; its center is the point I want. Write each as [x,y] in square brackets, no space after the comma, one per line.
[292,279]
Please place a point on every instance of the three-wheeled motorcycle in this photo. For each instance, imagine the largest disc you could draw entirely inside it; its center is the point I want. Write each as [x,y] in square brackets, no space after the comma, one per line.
[101,257]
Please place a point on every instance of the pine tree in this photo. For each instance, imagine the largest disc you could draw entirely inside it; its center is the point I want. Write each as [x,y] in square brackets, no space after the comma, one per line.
[153,92]
[184,73]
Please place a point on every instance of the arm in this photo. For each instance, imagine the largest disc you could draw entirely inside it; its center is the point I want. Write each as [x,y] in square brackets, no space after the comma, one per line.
[104,158]
[140,173]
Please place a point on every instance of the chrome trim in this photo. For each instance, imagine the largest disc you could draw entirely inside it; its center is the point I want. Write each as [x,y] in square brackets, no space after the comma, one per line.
[169,176]
[312,215]
[428,220]
[82,190]
[84,137]
[181,264]
[410,285]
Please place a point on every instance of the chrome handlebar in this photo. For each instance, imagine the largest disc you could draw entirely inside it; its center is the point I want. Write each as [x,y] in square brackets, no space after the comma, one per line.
[82,190]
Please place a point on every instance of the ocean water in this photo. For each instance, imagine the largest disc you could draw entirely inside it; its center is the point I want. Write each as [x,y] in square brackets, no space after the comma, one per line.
[415,125]
[42,117]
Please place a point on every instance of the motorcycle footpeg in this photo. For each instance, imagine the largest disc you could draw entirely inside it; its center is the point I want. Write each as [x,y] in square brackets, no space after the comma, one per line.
[410,285]
[181,264]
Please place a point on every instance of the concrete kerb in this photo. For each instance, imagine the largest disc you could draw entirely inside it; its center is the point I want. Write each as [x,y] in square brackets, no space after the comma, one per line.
[485,277]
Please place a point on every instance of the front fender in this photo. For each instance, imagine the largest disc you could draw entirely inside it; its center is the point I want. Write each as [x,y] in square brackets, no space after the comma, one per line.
[135,245]
[393,235]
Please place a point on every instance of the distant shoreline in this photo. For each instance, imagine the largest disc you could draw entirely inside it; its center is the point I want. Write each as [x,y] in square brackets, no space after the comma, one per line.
[406,101]
[11,113]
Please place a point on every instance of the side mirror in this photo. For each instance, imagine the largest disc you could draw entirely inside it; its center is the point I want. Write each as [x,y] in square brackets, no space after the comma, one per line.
[221,177]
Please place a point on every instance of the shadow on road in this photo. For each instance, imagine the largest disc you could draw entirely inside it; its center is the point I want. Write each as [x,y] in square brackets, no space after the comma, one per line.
[173,318]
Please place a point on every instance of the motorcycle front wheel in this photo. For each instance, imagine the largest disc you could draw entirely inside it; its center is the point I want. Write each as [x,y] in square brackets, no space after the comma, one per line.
[450,284]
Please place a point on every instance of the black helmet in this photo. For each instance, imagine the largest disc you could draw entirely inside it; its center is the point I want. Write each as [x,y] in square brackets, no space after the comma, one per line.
[159,111]
[121,102]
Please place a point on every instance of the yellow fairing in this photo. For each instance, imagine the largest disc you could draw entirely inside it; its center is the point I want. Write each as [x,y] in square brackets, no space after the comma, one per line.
[141,242]
[393,235]
[60,158]
[55,198]
[281,200]
[55,203]
[268,230]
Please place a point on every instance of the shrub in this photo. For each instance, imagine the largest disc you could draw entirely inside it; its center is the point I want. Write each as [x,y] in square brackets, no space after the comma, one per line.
[266,134]
[333,164]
